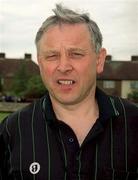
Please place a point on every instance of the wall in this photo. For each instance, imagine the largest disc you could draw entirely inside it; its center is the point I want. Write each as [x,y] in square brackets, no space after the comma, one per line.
[126,89]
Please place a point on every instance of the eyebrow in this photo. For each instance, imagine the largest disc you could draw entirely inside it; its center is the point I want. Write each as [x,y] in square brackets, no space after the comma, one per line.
[77,49]
[50,51]
[68,50]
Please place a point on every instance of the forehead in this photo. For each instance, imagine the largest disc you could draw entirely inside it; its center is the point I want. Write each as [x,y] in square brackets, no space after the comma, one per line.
[66,33]
[82,27]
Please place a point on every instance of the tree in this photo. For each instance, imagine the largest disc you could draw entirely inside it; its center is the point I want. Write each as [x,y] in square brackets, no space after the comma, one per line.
[20,81]
[133,96]
[35,87]
[27,86]
[1,88]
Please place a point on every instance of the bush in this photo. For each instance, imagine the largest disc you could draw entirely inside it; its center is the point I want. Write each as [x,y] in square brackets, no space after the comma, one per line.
[133,96]
[35,87]
[27,86]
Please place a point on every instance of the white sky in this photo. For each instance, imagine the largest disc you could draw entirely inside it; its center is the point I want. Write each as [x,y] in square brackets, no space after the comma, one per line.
[117,19]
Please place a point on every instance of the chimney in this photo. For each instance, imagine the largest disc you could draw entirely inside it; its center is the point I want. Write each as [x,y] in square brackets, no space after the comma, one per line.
[2,55]
[27,56]
[108,58]
[134,58]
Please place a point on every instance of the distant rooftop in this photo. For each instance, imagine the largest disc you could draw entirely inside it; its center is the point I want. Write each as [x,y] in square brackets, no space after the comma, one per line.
[113,70]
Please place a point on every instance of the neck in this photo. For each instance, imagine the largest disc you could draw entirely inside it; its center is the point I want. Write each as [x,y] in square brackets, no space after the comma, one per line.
[80,117]
[85,110]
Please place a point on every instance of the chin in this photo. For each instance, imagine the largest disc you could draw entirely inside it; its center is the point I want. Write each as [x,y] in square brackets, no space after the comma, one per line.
[66,100]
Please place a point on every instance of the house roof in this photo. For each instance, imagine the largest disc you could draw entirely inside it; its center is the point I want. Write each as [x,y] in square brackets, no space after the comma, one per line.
[113,70]
[120,70]
[8,67]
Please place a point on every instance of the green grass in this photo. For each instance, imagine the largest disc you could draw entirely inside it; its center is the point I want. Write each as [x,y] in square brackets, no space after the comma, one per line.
[3,115]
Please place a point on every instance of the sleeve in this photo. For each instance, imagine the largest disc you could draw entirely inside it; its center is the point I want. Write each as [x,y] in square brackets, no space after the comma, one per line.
[3,152]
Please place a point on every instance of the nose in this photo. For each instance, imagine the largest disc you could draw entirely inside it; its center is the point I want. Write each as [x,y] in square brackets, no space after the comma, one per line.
[64,65]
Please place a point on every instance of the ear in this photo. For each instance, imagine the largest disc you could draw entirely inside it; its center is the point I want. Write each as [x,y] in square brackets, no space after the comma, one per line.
[101,60]
[38,59]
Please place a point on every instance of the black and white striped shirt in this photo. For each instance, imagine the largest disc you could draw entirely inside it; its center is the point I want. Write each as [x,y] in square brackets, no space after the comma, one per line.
[34,145]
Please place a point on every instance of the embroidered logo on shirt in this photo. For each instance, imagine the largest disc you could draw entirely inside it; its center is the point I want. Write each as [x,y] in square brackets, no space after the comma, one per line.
[34,168]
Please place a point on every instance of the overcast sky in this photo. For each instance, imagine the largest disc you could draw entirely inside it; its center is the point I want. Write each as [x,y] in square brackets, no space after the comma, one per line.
[117,19]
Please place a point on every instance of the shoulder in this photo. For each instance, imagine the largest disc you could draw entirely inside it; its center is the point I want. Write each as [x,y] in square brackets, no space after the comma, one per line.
[127,118]
[23,116]
[126,106]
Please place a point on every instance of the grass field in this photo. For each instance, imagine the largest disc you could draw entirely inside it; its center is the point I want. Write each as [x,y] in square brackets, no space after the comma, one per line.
[3,115]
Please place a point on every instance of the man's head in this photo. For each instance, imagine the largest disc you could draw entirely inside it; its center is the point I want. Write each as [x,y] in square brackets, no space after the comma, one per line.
[69,55]
[67,16]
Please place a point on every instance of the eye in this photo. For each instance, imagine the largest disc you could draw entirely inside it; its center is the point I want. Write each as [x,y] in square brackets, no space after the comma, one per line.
[76,55]
[51,57]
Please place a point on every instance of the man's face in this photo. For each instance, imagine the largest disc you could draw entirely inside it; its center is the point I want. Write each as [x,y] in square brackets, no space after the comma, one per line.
[68,63]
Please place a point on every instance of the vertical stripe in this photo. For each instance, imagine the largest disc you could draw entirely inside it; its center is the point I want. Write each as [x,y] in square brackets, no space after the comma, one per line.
[48,148]
[137,173]
[47,138]
[112,156]
[114,108]
[9,149]
[79,168]
[7,130]
[126,136]
[33,141]
[0,176]
[112,142]
[127,176]
[96,161]
[65,155]
[20,151]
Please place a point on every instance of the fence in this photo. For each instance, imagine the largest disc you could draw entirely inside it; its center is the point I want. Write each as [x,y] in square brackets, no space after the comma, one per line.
[11,107]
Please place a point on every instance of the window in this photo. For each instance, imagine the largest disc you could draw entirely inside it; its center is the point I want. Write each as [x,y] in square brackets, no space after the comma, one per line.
[109,84]
[134,85]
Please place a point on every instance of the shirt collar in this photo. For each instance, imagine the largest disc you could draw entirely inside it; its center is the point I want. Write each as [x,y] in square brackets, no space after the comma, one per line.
[48,109]
[107,108]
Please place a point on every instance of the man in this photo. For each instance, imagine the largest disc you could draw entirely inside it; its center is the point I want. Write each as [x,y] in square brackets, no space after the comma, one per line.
[76,131]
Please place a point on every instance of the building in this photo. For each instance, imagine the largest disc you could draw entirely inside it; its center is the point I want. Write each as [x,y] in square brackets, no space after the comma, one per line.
[119,77]
[9,67]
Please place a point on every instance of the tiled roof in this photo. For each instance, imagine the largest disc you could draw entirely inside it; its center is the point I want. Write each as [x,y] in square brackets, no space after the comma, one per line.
[113,70]
[8,67]
[120,70]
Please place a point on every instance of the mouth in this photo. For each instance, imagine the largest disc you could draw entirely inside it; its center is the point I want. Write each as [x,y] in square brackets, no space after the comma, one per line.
[66,82]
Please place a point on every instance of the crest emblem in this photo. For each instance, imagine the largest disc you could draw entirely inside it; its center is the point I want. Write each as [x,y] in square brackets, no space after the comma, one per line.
[34,168]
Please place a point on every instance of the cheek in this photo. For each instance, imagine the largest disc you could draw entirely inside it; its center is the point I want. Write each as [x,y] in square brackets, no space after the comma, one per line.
[46,75]
[46,70]
[88,69]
